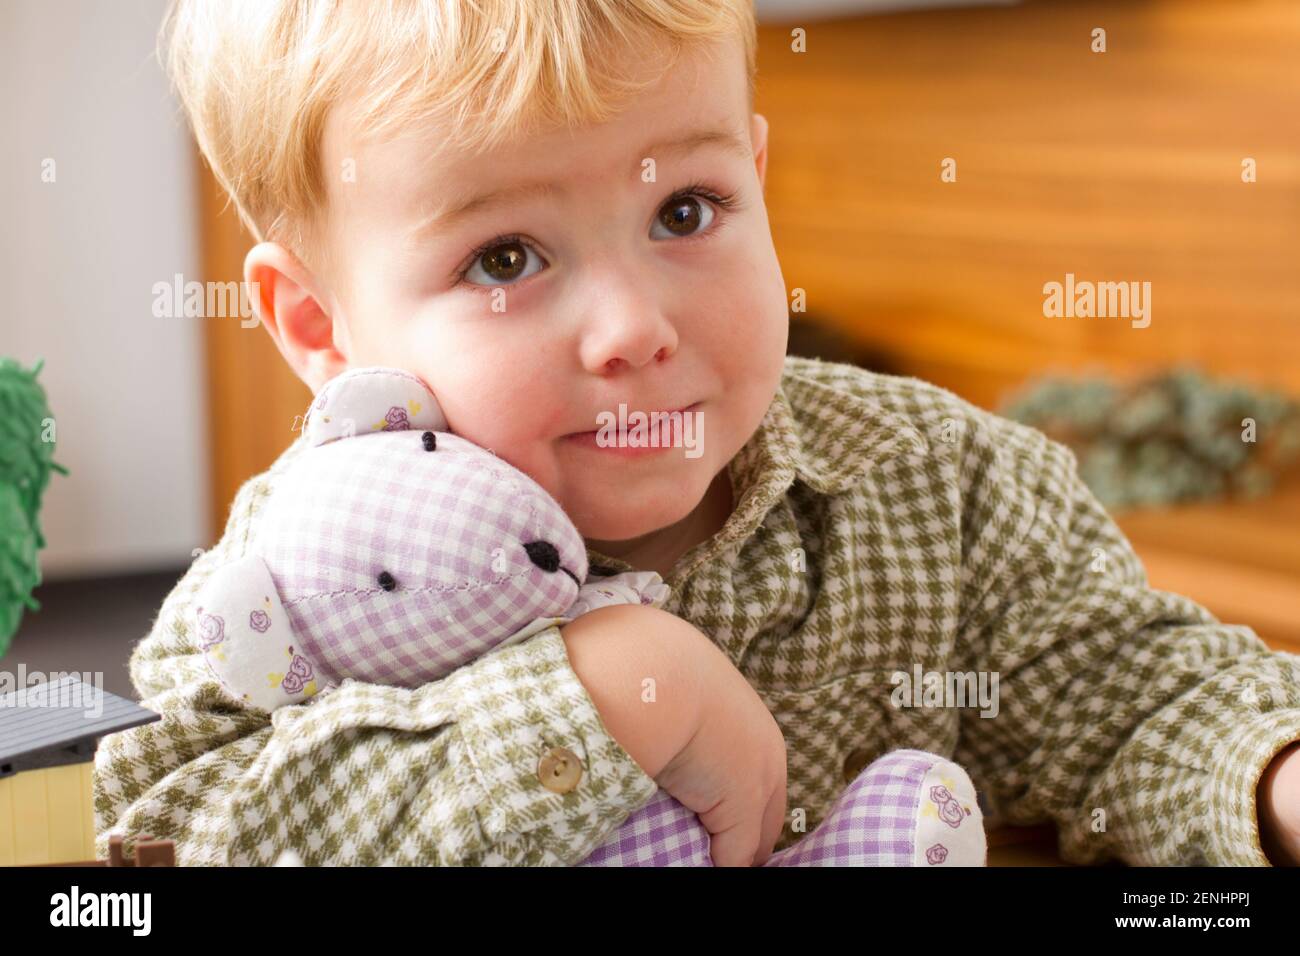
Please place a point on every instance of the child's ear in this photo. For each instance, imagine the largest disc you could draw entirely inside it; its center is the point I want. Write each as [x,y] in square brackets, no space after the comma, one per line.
[287,298]
[758,139]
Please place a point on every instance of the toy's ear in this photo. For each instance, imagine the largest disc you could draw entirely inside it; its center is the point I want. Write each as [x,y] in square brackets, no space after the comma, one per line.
[248,640]
[372,399]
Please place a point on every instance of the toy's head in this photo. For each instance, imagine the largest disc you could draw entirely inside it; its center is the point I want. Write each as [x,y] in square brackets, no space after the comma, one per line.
[391,551]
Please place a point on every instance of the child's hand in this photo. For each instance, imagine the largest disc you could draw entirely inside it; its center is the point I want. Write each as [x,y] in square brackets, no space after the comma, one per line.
[732,772]
[1278,803]
[707,738]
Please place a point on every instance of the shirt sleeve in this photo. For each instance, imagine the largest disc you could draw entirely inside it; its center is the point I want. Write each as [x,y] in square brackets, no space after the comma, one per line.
[443,774]
[1130,717]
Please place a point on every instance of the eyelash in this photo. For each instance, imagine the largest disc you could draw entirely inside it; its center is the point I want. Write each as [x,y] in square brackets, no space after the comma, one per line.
[729,202]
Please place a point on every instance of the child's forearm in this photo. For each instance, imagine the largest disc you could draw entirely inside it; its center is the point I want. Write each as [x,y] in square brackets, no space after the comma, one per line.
[704,734]
[635,664]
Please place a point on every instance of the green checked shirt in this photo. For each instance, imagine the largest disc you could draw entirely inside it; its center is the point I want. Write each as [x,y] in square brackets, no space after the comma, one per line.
[882,525]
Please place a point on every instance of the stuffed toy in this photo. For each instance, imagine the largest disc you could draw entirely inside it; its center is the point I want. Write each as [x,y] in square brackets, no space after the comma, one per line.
[393,552]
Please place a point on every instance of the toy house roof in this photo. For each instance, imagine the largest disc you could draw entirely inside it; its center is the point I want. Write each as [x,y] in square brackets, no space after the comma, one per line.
[60,722]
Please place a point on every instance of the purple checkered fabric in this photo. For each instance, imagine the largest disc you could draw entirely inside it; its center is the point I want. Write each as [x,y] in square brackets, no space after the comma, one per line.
[449,525]
[662,832]
[872,823]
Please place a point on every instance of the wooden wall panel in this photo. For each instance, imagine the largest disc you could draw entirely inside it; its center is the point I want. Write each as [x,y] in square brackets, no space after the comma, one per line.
[1115,166]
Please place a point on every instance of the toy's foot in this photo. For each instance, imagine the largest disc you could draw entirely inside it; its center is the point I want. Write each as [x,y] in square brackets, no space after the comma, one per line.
[907,808]
[950,828]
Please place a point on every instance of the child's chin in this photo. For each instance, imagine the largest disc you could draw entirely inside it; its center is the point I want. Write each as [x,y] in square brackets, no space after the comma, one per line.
[624,527]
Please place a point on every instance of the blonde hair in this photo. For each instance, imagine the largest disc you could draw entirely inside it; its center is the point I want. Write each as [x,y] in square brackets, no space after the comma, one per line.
[258,77]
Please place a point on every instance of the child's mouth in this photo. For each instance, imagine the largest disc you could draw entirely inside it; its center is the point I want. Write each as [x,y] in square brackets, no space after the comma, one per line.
[650,440]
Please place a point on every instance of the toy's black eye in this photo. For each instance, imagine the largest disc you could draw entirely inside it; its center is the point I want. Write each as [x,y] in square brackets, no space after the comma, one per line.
[430,441]
[386,581]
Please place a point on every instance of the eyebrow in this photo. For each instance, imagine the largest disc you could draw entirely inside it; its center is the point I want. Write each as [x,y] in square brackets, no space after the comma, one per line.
[725,138]
[449,215]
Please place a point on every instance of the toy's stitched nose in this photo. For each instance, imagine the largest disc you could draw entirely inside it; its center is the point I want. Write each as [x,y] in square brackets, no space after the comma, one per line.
[543,554]
[547,557]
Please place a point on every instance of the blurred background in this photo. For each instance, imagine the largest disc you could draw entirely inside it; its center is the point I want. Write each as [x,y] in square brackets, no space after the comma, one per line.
[933,166]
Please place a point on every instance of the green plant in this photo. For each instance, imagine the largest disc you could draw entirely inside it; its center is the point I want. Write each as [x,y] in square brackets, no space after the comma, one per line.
[1175,436]
[26,460]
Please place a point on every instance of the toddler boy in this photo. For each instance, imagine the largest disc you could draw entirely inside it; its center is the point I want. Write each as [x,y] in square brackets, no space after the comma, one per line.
[549,209]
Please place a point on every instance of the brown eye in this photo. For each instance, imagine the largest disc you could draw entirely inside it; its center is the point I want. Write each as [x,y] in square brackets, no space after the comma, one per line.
[504,262]
[681,216]
[685,215]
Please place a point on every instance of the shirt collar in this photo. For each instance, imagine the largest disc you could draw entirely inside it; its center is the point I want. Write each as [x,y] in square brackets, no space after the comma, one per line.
[824,436]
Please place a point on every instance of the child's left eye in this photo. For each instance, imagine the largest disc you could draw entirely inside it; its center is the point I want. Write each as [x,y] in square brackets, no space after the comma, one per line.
[688,212]
[684,216]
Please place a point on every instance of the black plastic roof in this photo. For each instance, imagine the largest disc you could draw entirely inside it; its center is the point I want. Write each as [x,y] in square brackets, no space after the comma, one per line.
[46,724]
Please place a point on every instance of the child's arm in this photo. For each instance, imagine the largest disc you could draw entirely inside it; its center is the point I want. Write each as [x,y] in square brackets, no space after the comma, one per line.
[706,736]
[1130,716]
[444,774]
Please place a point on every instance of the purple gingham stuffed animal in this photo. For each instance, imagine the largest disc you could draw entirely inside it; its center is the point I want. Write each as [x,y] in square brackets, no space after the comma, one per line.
[394,552]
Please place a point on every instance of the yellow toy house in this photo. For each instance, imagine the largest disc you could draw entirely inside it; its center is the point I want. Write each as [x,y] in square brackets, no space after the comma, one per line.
[48,735]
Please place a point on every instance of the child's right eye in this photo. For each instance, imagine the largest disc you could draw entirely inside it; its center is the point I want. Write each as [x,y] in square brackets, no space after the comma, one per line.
[501,261]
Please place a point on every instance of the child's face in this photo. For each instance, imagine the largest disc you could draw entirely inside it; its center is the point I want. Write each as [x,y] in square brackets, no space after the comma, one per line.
[597,300]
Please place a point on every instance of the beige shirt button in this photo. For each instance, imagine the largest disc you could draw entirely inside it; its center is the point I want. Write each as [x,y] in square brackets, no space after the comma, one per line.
[855,762]
[559,770]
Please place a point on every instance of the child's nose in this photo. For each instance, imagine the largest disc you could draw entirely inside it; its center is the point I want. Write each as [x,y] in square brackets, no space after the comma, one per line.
[627,328]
